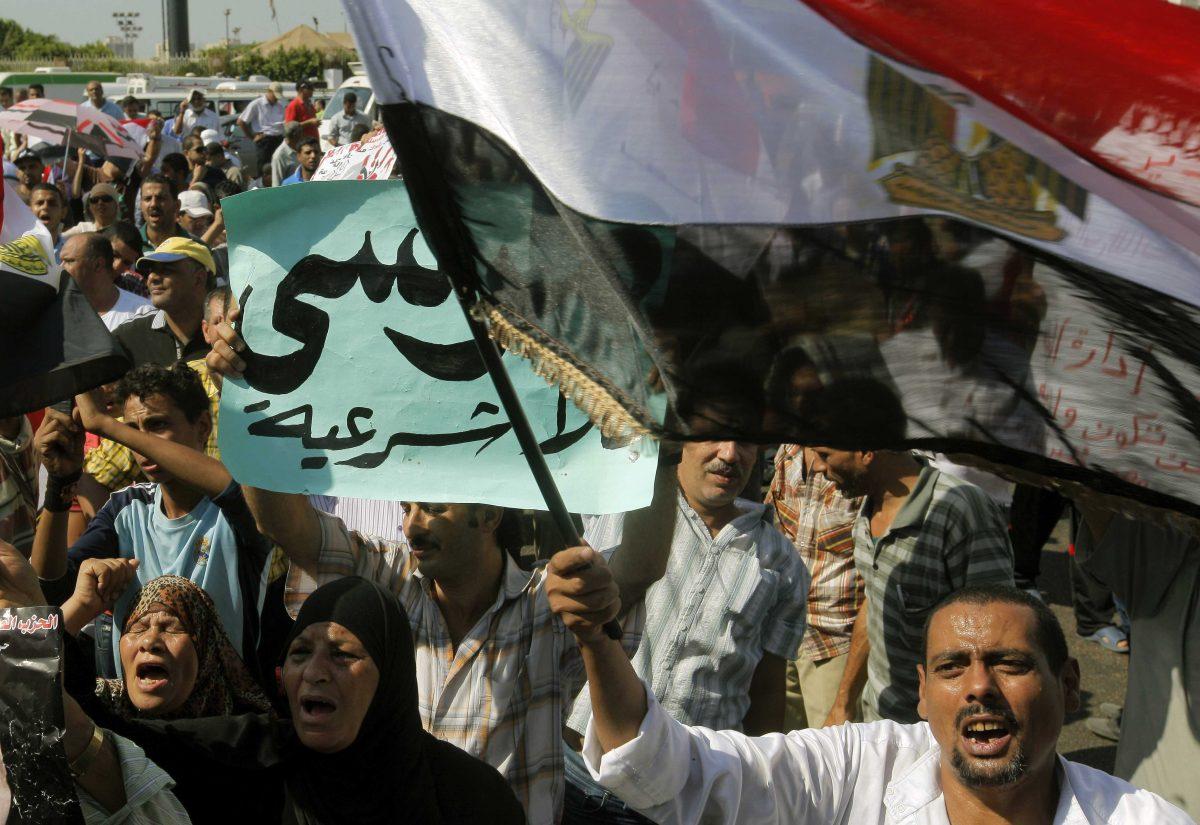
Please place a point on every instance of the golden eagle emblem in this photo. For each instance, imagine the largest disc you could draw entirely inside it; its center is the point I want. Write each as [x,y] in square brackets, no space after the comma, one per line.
[994,183]
[25,255]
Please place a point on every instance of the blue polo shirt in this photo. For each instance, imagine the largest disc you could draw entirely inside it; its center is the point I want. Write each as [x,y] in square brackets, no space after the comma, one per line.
[217,545]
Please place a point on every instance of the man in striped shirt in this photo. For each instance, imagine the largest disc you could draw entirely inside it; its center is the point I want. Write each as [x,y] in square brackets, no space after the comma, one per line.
[721,623]
[920,535]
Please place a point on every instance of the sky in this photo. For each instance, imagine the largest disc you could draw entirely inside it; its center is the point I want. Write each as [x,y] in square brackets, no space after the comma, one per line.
[206,19]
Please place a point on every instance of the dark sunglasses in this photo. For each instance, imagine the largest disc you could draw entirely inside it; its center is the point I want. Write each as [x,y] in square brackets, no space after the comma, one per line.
[100,199]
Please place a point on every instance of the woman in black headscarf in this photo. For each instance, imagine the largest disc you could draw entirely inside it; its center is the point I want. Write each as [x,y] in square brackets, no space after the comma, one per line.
[354,750]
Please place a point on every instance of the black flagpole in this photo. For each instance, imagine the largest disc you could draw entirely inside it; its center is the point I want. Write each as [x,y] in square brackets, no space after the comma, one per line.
[530,447]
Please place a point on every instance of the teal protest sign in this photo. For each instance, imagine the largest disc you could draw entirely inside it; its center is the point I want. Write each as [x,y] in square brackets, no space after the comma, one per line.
[363,379]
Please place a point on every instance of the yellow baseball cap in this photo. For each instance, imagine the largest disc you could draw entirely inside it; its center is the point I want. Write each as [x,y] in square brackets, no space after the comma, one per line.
[176,249]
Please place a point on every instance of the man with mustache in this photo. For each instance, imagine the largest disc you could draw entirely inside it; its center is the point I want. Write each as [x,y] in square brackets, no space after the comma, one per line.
[724,619]
[496,669]
[995,684]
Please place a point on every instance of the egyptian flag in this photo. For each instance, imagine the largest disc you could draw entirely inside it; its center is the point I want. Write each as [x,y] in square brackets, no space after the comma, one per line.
[60,122]
[961,227]
[53,343]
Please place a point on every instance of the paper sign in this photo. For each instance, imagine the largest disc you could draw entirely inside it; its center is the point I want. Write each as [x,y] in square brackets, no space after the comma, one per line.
[364,380]
[369,159]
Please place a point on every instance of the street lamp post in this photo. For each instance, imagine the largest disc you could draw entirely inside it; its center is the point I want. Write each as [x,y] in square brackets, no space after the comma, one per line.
[128,23]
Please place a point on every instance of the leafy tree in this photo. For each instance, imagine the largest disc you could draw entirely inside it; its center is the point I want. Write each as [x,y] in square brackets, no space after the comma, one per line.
[287,65]
[18,42]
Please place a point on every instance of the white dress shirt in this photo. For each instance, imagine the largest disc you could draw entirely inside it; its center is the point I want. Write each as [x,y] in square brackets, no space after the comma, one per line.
[855,774]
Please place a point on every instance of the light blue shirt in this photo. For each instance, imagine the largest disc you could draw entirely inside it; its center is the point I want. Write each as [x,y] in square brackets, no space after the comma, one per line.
[109,108]
[206,546]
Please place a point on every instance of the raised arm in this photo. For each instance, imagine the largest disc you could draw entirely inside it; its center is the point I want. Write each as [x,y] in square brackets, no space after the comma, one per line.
[672,773]
[99,584]
[59,446]
[641,558]
[96,762]
[289,520]
[582,591]
[201,471]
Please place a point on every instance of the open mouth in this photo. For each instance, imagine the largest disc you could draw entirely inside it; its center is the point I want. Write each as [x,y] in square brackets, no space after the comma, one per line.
[317,708]
[151,676]
[986,737]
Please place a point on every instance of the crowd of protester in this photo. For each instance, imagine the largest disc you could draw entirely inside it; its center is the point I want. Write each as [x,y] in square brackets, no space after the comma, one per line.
[233,651]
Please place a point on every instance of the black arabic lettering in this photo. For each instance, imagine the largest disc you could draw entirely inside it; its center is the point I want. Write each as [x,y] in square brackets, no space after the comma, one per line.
[486,434]
[320,276]
[445,362]
[274,427]
[561,440]
[297,423]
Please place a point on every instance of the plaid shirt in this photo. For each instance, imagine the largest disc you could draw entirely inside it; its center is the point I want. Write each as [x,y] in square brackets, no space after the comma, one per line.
[820,522]
[112,464]
[500,696]
[722,603]
[947,535]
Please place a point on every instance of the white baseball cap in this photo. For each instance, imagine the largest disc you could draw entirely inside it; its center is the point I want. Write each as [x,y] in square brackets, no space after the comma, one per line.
[194,203]
[210,136]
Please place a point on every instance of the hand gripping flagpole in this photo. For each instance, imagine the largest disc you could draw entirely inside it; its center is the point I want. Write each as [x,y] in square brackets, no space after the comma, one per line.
[530,447]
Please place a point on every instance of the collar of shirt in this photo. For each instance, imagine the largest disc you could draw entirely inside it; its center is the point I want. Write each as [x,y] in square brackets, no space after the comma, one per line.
[752,515]
[916,795]
[912,512]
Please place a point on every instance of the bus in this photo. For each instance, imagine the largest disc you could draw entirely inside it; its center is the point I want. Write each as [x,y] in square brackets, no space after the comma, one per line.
[59,82]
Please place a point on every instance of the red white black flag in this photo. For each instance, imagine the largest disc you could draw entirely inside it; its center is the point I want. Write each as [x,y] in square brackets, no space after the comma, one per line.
[924,223]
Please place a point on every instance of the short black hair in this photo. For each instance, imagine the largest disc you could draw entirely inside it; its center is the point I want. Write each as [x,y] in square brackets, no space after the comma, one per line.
[175,162]
[214,150]
[130,100]
[4,89]
[192,141]
[125,232]
[358,132]
[350,97]
[225,189]
[1048,633]
[41,90]
[314,141]
[48,187]
[159,179]
[178,382]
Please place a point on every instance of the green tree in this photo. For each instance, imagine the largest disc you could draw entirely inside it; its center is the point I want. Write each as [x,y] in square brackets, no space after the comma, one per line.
[288,65]
[19,43]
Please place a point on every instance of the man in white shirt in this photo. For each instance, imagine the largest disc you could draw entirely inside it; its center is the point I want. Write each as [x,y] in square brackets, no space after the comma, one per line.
[262,122]
[194,112]
[87,258]
[995,685]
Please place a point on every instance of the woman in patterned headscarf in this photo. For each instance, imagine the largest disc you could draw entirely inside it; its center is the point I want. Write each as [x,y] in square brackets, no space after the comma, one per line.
[177,661]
